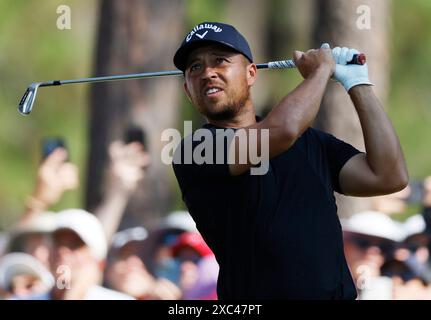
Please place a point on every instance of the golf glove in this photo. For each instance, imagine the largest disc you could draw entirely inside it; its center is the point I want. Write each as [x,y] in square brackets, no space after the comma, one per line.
[349,75]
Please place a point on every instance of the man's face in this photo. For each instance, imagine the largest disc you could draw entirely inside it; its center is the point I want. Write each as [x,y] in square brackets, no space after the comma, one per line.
[363,250]
[70,250]
[25,285]
[218,81]
[129,274]
[38,245]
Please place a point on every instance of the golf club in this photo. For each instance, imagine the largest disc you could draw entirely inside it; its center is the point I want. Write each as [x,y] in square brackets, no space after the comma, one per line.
[27,101]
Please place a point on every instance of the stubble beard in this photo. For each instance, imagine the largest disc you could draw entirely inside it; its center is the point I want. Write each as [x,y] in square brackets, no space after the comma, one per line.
[229,110]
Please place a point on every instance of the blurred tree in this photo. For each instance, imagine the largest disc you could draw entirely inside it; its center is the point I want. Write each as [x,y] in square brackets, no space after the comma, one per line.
[253,24]
[290,28]
[135,36]
[360,24]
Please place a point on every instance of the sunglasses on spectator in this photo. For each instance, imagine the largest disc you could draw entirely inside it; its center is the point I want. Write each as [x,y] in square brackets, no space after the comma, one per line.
[365,243]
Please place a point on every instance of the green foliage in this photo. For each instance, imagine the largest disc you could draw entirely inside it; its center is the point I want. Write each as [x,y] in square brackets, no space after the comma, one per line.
[410,96]
[33,49]
[198,11]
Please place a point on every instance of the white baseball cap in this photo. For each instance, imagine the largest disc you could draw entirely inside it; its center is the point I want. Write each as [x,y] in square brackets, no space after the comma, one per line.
[87,227]
[178,220]
[123,237]
[43,223]
[374,223]
[17,263]
[414,225]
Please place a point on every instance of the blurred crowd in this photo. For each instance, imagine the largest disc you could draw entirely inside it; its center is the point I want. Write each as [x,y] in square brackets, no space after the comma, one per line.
[75,254]
[78,255]
[390,259]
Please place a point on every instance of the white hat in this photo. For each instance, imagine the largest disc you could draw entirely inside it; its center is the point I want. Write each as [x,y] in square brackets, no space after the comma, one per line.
[16,263]
[178,220]
[175,222]
[414,225]
[374,223]
[123,237]
[40,224]
[87,227]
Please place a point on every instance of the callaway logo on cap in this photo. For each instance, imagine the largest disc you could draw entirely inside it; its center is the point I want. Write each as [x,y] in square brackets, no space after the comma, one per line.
[211,32]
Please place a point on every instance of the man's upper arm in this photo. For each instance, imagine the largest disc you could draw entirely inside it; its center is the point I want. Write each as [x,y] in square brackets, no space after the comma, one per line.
[357,179]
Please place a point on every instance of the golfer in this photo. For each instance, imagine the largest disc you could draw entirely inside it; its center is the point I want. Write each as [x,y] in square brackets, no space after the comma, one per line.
[277,235]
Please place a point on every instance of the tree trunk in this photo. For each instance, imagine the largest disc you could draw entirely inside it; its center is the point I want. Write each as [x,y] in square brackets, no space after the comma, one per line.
[251,19]
[337,24]
[135,36]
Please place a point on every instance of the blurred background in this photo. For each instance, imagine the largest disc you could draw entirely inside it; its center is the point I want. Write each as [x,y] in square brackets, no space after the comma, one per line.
[109,37]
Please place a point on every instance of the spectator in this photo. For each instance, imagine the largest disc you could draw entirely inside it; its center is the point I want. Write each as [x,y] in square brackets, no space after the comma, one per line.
[79,252]
[31,236]
[197,271]
[407,284]
[126,170]
[54,176]
[22,275]
[160,241]
[205,287]
[127,272]
[369,239]
[416,243]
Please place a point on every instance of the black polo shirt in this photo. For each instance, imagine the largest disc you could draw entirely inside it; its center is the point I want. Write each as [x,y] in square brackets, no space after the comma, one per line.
[275,236]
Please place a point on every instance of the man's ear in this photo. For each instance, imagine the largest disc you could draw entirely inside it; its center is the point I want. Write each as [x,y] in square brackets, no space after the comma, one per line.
[251,73]
[186,90]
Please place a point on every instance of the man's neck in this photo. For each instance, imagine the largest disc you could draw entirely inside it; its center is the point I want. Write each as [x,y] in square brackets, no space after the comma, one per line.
[245,118]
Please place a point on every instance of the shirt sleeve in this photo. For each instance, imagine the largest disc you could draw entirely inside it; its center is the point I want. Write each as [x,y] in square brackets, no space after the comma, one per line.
[338,153]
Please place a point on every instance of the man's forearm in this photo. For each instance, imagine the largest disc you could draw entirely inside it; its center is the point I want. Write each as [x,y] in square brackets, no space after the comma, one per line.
[299,108]
[292,116]
[384,155]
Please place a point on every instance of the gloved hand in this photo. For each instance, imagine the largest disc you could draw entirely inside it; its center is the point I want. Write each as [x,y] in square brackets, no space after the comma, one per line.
[349,75]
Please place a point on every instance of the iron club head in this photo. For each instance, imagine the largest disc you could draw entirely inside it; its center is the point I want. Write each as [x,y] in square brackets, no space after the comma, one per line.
[27,100]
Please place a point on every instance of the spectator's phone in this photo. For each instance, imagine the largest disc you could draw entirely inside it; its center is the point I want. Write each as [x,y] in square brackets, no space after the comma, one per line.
[135,134]
[50,144]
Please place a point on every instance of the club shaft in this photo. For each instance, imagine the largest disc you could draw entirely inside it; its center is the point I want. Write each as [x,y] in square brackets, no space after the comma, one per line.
[282,64]
[271,65]
[124,77]
[26,103]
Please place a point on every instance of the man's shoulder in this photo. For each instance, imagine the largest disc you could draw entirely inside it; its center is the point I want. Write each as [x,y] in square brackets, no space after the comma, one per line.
[315,132]
[313,135]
